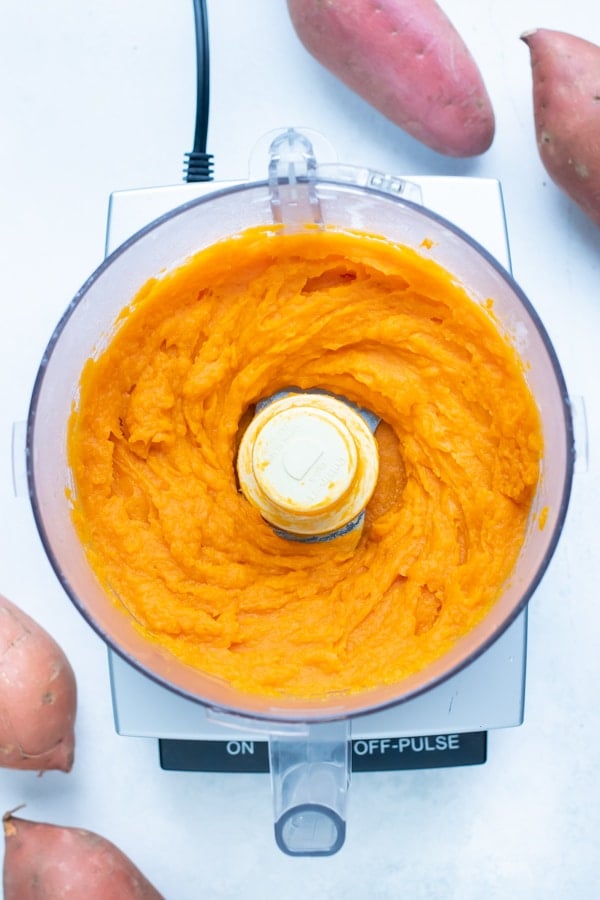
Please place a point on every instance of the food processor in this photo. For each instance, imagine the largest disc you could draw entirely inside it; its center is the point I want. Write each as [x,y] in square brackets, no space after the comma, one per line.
[311,746]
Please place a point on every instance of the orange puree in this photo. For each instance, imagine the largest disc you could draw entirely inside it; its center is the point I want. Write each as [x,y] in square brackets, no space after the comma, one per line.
[153,443]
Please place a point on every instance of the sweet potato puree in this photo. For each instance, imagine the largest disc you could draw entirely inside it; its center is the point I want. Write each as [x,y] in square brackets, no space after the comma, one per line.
[153,440]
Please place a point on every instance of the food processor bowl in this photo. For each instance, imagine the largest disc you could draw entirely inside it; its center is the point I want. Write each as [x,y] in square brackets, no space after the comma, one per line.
[296,191]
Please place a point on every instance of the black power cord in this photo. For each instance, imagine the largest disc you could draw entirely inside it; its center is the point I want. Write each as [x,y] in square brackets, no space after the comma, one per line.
[198,163]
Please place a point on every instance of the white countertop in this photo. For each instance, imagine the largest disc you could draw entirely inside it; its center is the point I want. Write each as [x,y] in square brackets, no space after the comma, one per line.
[100,96]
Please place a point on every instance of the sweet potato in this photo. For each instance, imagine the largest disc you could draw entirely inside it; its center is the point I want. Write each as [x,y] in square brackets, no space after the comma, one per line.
[38,695]
[54,862]
[406,59]
[566,102]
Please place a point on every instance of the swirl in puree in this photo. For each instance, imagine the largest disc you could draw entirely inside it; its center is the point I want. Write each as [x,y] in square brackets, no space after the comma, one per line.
[154,437]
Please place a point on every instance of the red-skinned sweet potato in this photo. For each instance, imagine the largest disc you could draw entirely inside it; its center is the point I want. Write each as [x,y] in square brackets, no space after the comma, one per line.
[54,862]
[38,695]
[406,59]
[566,101]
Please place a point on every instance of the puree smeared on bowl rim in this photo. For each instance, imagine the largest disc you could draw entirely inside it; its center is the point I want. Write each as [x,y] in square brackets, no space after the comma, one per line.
[153,440]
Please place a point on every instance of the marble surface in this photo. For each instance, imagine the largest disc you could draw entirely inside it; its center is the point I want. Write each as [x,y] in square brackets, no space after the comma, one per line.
[96,97]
